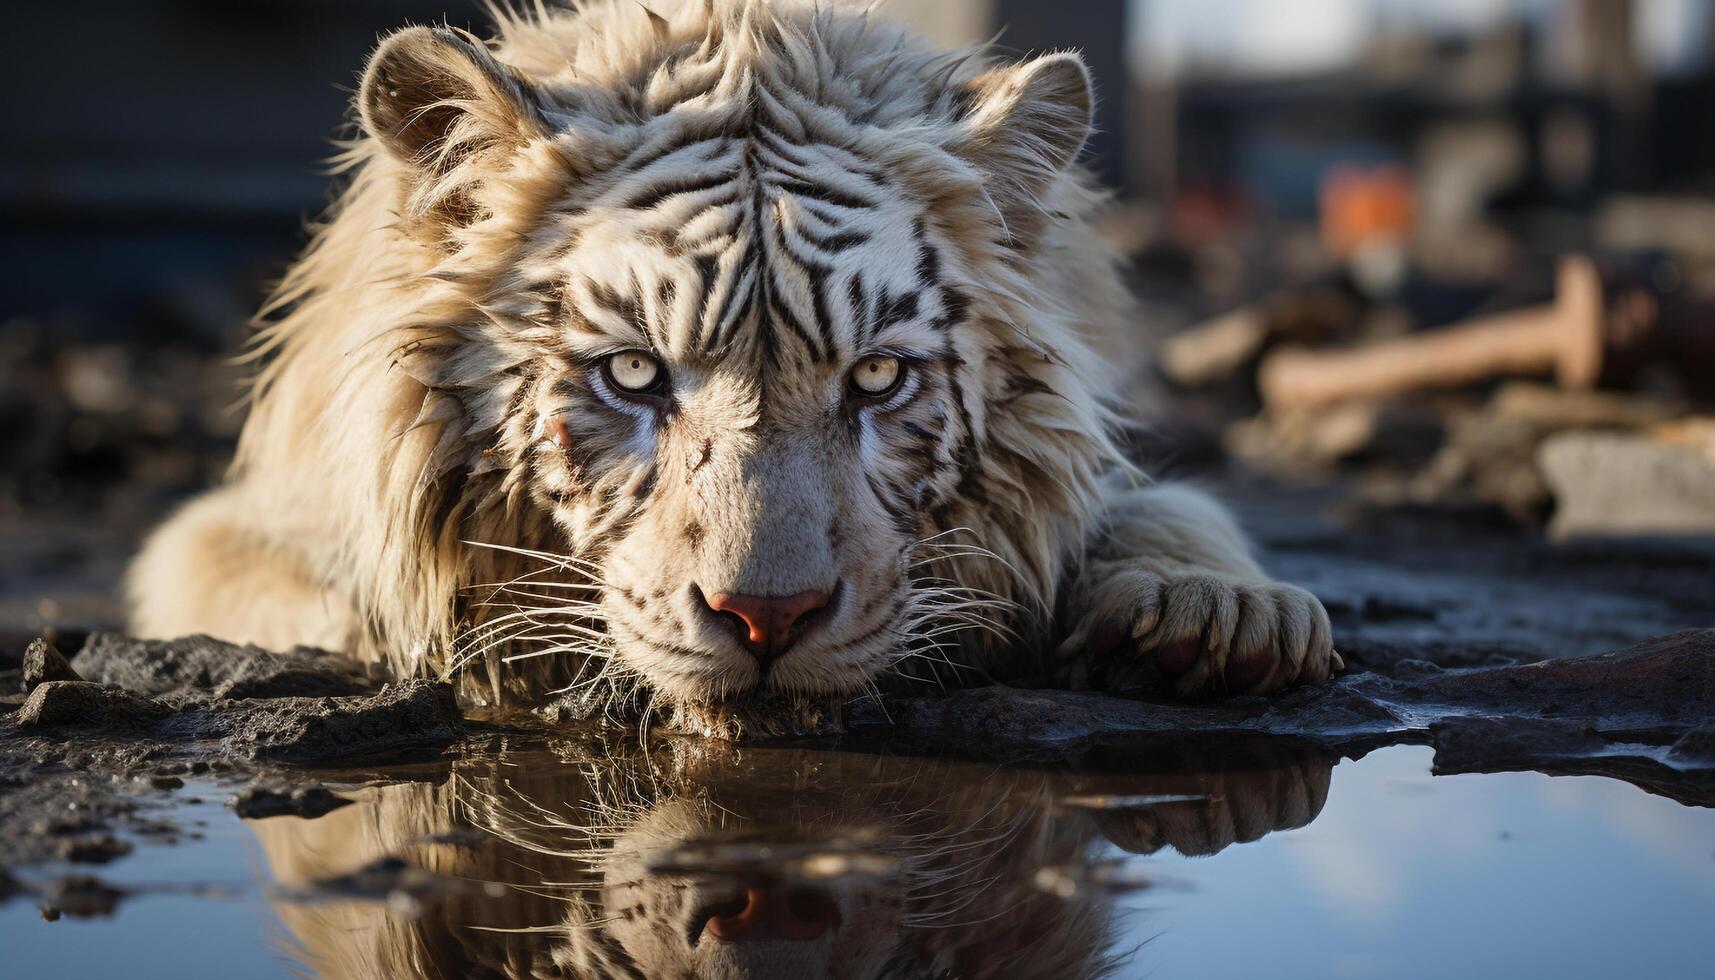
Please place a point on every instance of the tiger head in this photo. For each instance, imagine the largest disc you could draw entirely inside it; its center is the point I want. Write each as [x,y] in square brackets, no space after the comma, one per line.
[759,327]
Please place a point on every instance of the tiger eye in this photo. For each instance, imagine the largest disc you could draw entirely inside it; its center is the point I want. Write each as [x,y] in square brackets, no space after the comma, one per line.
[876,375]
[634,370]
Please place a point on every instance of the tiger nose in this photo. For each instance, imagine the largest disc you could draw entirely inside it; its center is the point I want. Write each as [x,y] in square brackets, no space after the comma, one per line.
[770,624]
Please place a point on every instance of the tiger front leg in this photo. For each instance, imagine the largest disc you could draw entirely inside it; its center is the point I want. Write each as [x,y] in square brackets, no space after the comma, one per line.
[1171,588]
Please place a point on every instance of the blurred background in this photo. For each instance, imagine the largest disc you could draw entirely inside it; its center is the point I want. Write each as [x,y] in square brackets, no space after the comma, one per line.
[1453,256]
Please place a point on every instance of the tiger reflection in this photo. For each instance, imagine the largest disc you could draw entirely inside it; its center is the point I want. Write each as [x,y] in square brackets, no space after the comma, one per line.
[710,860]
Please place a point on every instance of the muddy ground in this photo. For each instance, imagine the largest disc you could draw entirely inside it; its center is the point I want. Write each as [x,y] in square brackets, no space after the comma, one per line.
[1502,651]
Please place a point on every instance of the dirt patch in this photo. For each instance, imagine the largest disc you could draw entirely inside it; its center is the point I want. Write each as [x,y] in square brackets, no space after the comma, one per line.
[88,766]
[200,664]
[299,730]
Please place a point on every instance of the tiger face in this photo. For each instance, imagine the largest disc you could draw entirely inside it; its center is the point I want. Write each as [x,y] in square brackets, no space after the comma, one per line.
[755,311]
[761,359]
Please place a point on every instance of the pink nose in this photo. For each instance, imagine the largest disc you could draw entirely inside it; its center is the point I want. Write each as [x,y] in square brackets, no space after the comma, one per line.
[768,620]
[799,914]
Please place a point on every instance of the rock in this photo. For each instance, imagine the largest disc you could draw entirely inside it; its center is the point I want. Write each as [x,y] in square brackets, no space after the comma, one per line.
[1620,484]
[58,812]
[1415,668]
[1695,434]
[202,666]
[1402,659]
[1490,452]
[1663,683]
[1009,723]
[80,896]
[43,663]
[81,764]
[258,803]
[1313,440]
[414,715]
[1697,746]
[85,703]
[1672,224]
[1573,748]
[1489,456]
[404,887]
[1483,744]
[1552,409]
[405,717]
[91,848]
[1217,349]
[1561,709]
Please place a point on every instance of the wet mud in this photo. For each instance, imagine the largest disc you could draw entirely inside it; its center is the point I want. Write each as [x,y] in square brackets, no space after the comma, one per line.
[88,767]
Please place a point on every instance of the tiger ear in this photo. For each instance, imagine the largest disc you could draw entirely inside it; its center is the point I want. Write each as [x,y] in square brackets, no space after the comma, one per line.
[1025,124]
[432,96]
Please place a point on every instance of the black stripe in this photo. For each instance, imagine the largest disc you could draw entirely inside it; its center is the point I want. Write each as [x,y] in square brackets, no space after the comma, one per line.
[819,279]
[780,147]
[821,213]
[644,157]
[627,308]
[775,299]
[928,260]
[666,291]
[608,298]
[827,195]
[834,243]
[896,309]
[954,308]
[736,313]
[858,298]
[898,514]
[963,455]
[782,313]
[764,285]
[649,198]
[923,435]
[818,273]
[707,267]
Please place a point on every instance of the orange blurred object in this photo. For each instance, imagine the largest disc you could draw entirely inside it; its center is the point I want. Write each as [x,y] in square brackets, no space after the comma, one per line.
[1362,206]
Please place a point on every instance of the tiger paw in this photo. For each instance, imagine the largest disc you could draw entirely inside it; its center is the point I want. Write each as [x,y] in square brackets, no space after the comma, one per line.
[1207,634]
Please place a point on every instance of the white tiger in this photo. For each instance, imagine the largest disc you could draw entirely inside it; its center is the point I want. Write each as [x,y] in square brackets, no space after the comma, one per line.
[744,348]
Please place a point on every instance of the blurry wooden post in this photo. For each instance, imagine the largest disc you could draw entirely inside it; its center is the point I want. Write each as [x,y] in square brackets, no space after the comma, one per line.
[1595,52]
[1096,28]
[1600,49]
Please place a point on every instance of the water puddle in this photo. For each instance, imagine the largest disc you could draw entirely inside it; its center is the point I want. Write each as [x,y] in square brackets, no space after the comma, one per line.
[1234,859]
